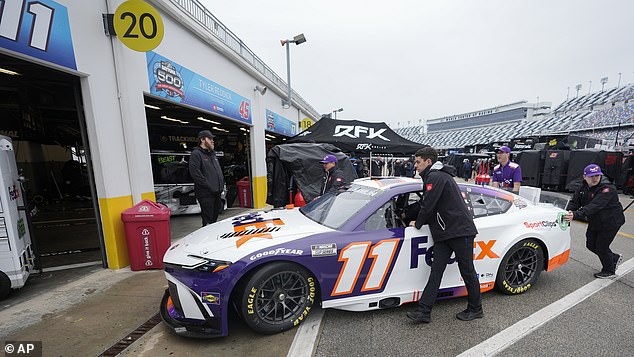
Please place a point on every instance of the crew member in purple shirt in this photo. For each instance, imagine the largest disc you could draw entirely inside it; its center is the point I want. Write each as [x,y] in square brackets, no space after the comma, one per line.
[507,175]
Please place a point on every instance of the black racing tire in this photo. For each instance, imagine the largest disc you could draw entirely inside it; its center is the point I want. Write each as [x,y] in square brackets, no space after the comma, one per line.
[520,267]
[5,285]
[277,297]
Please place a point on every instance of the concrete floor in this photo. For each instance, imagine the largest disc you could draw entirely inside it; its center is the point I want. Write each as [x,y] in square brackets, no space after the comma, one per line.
[84,311]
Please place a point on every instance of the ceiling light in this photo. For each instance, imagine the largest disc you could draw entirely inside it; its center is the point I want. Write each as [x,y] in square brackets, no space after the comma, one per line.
[6,71]
[176,120]
[271,136]
[220,129]
[152,107]
[208,121]
[267,139]
[243,129]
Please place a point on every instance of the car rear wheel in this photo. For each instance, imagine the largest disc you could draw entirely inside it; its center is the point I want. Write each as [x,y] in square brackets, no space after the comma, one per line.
[277,297]
[520,267]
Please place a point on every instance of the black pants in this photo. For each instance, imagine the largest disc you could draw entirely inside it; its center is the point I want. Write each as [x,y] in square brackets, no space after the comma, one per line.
[210,207]
[598,242]
[463,247]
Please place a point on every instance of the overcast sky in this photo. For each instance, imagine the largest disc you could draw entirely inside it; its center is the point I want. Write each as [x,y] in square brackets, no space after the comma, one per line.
[402,61]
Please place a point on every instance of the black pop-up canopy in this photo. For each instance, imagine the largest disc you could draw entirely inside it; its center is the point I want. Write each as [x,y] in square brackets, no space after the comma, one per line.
[302,162]
[357,136]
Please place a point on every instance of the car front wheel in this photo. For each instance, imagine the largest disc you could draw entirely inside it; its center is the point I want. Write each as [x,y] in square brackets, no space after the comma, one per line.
[520,267]
[277,297]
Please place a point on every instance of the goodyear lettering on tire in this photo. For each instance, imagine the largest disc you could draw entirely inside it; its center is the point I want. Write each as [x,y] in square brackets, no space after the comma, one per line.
[311,299]
[517,290]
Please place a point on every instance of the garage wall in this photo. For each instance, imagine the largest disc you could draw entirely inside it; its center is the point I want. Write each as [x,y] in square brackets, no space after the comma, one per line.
[113,81]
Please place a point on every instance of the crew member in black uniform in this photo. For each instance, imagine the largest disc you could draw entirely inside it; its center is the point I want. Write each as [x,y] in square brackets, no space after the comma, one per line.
[453,231]
[209,181]
[333,176]
[598,202]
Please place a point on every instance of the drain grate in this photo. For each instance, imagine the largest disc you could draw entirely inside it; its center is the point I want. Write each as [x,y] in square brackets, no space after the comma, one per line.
[125,342]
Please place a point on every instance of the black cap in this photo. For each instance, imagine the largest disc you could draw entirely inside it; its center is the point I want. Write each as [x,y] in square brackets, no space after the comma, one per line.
[205,134]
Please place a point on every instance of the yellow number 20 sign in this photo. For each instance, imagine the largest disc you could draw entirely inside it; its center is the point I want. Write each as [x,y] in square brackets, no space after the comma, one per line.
[138,25]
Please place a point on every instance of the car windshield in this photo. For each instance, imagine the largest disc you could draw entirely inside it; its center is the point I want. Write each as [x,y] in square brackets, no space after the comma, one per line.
[334,209]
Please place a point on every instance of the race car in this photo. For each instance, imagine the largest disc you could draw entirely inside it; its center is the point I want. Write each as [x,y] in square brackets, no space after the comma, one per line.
[351,250]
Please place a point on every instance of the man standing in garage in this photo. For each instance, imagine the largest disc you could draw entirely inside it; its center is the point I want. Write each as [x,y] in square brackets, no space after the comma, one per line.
[598,202]
[209,181]
[451,224]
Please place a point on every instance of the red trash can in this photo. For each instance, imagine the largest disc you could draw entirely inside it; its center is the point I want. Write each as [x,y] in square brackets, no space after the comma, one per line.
[244,192]
[147,232]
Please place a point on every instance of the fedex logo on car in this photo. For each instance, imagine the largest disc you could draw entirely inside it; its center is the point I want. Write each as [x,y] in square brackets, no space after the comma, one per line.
[355,131]
[486,251]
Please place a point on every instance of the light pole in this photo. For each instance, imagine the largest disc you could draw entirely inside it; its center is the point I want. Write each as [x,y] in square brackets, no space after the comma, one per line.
[604,80]
[297,40]
[337,111]
[618,85]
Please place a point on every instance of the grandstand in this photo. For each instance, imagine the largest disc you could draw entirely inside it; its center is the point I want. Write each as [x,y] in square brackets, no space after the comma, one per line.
[599,115]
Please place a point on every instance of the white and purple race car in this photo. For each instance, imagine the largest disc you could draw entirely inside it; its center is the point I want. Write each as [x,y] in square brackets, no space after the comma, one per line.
[350,250]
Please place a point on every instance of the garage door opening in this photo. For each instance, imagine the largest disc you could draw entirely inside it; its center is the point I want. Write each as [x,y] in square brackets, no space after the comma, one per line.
[172,131]
[40,110]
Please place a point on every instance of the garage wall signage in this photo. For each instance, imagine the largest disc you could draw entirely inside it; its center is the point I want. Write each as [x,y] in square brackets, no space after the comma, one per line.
[306,123]
[37,28]
[138,25]
[174,82]
[278,124]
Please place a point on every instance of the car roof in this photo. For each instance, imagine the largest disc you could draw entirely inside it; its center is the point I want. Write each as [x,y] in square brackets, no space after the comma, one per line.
[386,183]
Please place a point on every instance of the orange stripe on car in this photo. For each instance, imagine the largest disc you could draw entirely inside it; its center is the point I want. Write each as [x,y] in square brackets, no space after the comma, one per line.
[247,237]
[558,260]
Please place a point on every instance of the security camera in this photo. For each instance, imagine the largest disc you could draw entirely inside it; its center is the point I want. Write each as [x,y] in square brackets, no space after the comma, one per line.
[261,89]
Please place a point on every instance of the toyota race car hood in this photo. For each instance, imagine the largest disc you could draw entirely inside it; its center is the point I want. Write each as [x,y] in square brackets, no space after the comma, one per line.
[233,238]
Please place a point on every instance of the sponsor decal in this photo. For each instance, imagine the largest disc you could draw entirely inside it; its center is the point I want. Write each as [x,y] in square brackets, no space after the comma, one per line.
[254,221]
[429,186]
[355,131]
[606,190]
[14,192]
[168,80]
[210,298]
[21,228]
[338,179]
[323,250]
[553,154]
[540,225]
[364,147]
[277,251]
[486,251]
[563,224]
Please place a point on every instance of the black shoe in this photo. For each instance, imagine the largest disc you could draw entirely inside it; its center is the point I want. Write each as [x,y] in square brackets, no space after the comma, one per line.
[468,315]
[618,261]
[604,275]
[419,317]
